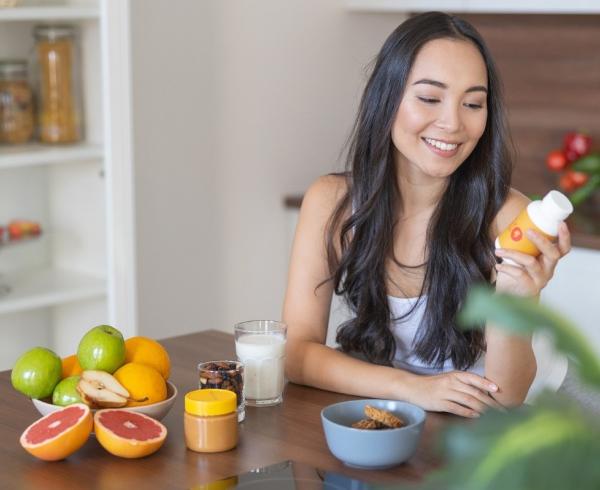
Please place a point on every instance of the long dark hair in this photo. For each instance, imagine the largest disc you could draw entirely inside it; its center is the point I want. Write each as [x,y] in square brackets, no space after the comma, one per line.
[459,248]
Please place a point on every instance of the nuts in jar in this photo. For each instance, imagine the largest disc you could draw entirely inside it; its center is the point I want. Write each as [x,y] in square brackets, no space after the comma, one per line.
[224,375]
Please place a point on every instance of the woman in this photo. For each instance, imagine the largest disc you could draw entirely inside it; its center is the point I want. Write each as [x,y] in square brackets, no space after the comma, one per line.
[409,227]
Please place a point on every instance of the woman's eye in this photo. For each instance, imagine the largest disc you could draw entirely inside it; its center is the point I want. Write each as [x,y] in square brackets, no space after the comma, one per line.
[474,106]
[428,100]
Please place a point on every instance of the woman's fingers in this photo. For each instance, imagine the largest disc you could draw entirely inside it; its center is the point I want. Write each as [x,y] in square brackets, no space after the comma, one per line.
[458,409]
[468,401]
[524,260]
[514,271]
[476,381]
[550,252]
[477,388]
[564,239]
[483,397]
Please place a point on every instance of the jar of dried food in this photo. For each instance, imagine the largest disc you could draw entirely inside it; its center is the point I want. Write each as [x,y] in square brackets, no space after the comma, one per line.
[16,103]
[224,375]
[59,114]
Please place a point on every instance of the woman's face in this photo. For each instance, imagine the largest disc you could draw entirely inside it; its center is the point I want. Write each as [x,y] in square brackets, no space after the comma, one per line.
[443,111]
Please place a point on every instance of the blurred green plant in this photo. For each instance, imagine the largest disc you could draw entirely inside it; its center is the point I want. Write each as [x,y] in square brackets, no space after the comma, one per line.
[553,444]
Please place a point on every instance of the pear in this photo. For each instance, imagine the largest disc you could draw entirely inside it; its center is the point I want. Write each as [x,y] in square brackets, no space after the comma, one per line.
[101,389]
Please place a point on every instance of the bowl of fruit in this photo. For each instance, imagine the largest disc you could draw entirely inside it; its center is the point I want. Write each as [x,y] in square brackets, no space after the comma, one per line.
[106,372]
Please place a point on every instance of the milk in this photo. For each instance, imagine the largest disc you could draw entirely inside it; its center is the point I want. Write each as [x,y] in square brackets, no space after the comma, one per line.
[263,358]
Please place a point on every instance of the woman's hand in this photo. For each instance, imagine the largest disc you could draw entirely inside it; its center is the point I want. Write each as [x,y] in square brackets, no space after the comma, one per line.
[535,272]
[457,392]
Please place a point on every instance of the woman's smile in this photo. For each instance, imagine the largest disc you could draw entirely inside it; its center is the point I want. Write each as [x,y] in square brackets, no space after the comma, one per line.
[442,148]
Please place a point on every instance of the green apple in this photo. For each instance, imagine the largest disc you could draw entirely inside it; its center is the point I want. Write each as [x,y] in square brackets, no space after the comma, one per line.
[36,372]
[65,393]
[102,348]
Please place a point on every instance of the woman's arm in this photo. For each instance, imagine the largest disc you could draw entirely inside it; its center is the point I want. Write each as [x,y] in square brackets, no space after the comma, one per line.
[306,309]
[510,360]
[306,312]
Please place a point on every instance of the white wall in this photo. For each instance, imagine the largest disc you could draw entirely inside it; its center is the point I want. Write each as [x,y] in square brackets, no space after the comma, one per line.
[236,104]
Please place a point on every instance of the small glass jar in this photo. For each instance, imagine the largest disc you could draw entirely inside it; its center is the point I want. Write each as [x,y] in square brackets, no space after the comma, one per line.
[16,103]
[210,420]
[58,114]
[224,375]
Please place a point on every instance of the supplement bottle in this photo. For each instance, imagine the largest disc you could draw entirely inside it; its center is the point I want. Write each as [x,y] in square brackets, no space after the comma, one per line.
[542,216]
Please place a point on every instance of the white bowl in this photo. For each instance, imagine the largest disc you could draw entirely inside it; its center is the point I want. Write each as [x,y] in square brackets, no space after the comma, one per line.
[155,410]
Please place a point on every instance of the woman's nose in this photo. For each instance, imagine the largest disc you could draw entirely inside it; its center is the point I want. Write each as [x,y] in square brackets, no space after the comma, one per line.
[449,118]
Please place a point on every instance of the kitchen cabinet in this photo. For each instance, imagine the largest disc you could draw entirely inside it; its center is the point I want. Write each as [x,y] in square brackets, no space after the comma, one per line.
[478,6]
[80,272]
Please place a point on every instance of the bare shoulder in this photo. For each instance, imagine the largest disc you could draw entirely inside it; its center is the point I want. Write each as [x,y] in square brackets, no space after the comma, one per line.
[324,194]
[515,202]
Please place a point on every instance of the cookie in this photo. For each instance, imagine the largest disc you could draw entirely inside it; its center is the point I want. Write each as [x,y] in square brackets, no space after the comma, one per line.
[367,424]
[383,417]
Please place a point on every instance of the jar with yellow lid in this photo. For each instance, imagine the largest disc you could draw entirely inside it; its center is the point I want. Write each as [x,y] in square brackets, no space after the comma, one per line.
[210,420]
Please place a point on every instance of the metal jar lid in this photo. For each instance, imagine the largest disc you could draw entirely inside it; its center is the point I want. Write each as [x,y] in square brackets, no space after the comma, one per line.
[53,32]
[13,69]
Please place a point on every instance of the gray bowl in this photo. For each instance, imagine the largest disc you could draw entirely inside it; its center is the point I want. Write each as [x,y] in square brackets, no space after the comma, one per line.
[372,449]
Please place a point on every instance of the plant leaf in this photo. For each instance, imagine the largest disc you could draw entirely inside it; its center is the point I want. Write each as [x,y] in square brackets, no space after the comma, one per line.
[585,191]
[554,445]
[589,164]
[523,315]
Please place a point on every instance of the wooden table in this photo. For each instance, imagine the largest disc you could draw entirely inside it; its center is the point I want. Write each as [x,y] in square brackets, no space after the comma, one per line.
[269,435]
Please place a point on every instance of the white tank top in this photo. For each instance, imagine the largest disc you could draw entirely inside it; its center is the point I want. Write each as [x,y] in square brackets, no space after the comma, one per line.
[405,333]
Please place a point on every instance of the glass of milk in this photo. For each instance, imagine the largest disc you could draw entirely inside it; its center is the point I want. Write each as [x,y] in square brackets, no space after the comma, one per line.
[260,346]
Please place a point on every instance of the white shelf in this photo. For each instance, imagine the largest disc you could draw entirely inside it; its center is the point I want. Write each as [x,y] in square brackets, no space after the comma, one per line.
[478,6]
[47,287]
[58,12]
[36,154]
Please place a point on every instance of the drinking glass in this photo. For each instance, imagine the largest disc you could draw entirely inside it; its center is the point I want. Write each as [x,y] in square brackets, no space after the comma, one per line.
[260,346]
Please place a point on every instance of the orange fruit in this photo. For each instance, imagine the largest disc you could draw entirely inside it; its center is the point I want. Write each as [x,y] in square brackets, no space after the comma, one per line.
[70,366]
[145,350]
[142,382]
[128,434]
[58,434]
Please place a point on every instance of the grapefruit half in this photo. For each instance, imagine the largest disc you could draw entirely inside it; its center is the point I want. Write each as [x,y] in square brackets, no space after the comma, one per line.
[128,434]
[58,434]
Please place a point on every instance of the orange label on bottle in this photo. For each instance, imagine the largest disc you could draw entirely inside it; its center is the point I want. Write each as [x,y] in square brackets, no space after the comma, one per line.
[516,234]
[514,237]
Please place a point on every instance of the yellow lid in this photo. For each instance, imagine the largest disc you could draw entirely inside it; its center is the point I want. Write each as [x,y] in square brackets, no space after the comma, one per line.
[226,484]
[210,402]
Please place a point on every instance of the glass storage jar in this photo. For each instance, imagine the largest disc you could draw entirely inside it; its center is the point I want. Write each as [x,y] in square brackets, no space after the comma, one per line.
[16,103]
[58,111]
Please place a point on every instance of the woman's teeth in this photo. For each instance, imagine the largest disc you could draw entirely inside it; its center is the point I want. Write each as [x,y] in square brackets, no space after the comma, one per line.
[441,145]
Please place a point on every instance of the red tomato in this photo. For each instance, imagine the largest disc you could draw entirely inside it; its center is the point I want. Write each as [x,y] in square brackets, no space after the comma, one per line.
[571,155]
[565,183]
[578,178]
[556,160]
[577,144]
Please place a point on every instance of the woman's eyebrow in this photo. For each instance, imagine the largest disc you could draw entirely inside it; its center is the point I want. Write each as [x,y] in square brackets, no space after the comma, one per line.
[435,83]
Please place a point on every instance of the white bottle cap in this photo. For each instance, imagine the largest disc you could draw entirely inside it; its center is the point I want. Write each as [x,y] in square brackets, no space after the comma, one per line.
[556,206]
